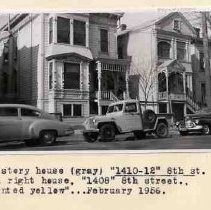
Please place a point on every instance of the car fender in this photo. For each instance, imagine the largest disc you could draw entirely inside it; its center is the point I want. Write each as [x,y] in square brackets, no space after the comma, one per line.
[36,127]
[160,119]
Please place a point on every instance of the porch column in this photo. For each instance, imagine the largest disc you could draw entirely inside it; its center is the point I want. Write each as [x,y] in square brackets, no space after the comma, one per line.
[167,90]
[127,82]
[184,86]
[81,75]
[99,73]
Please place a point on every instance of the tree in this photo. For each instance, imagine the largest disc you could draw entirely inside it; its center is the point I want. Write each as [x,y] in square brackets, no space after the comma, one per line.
[147,73]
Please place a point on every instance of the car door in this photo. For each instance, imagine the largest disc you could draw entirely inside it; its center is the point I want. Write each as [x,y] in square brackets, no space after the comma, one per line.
[28,116]
[10,126]
[132,117]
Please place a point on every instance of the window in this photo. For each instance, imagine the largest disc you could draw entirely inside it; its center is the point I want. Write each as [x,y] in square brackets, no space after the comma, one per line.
[72,110]
[104,40]
[50,81]
[63,30]
[181,51]
[29,113]
[177,25]
[163,49]
[71,76]
[201,61]
[79,28]
[115,108]
[76,109]
[130,107]
[9,112]
[203,93]
[50,30]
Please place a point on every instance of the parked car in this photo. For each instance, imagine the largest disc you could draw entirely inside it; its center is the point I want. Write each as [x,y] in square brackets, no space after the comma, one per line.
[125,117]
[196,123]
[28,123]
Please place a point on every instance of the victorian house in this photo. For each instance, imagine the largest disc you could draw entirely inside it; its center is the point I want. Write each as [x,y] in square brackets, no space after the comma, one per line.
[168,44]
[64,63]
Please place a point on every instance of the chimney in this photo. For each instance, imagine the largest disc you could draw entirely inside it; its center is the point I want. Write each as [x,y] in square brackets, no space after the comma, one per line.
[123,27]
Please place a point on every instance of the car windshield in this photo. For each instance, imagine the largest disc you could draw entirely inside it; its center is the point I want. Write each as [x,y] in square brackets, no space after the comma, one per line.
[115,108]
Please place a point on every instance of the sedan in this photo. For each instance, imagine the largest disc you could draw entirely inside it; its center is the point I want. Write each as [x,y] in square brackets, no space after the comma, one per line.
[28,123]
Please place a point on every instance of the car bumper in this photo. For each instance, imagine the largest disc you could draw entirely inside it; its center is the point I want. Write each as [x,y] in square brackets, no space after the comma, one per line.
[91,131]
[197,128]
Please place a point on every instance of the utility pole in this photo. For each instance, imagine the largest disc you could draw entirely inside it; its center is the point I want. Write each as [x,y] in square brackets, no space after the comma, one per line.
[204,18]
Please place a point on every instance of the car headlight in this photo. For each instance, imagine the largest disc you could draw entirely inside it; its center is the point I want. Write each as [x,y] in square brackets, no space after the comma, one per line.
[197,121]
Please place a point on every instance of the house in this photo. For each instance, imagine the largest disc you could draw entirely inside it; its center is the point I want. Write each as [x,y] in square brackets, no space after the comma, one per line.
[65,62]
[161,55]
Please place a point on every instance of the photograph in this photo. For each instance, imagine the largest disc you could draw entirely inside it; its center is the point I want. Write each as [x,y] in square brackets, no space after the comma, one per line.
[121,80]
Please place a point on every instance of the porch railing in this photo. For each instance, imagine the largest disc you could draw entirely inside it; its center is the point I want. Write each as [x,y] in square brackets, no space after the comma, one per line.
[171,96]
[107,95]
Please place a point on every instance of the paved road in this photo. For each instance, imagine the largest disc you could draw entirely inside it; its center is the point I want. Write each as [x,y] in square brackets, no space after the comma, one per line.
[123,142]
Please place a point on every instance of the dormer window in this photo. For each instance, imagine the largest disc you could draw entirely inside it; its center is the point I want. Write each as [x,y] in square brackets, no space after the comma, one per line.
[177,25]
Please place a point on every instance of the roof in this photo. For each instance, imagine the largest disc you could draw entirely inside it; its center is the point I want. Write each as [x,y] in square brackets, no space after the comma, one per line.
[156,21]
[169,63]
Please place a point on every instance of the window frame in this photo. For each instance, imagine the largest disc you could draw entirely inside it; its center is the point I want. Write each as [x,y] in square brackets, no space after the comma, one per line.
[178,28]
[85,34]
[107,50]
[180,48]
[50,30]
[169,49]
[51,63]
[57,30]
[79,82]
[72,112]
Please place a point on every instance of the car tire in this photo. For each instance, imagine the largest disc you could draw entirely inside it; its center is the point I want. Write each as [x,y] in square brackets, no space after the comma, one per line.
[139,134]
[162,130]
[149,116]
[48,137]
[90,137]
[206,129]
[107,132]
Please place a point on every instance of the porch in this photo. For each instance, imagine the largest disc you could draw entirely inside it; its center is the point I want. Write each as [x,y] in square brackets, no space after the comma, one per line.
[109,82]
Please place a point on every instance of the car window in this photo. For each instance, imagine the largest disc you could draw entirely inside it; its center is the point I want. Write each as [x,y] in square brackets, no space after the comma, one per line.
[29,113]
[8,111]
[130,107]
[115,108]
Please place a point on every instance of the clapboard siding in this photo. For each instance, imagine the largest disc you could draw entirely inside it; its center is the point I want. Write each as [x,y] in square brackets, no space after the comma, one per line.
[28,45]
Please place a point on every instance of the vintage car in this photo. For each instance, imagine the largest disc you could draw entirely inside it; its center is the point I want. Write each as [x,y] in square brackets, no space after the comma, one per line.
[124,117]
[196,123]
[28,123]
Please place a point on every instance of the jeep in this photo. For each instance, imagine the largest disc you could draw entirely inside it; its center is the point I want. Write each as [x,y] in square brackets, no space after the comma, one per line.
[125,117]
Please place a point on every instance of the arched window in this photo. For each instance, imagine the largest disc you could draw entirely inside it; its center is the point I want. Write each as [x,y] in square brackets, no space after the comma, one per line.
[164,49]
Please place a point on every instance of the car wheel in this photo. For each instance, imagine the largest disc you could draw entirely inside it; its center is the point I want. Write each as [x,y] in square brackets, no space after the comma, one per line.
[162,130]
[48,137]
[139,134]
[107,132]
[90,137]
[206,129]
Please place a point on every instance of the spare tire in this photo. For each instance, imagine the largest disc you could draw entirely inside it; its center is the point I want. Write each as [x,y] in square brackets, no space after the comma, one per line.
[149,116]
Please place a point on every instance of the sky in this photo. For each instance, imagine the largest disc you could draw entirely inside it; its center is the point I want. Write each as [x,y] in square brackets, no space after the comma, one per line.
[136,18]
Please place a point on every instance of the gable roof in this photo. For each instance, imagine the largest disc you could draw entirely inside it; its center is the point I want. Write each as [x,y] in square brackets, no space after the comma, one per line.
[161,18]
[166,17]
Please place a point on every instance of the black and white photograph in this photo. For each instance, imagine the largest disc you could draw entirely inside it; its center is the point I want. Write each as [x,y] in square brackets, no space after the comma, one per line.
[95,80]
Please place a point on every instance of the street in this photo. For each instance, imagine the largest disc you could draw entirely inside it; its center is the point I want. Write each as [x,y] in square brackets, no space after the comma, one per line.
[122,142]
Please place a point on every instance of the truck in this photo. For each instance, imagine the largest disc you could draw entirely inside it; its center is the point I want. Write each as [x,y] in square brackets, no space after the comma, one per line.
[125,116]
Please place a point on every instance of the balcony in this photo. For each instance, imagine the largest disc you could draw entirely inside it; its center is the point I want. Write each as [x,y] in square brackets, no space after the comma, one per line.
[164,96]
[59,50]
